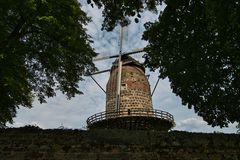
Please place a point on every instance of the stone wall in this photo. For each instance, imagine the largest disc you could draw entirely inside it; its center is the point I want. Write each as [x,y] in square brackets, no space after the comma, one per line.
[37,144]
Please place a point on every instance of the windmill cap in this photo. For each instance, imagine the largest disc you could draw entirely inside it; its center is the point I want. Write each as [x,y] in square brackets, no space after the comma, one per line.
[128,60]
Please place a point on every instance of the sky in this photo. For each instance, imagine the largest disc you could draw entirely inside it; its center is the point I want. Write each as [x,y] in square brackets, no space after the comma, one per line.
[73,113]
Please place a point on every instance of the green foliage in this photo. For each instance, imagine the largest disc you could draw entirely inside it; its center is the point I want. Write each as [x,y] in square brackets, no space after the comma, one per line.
[43,48]
[30,128]
[196,44]
[115,12]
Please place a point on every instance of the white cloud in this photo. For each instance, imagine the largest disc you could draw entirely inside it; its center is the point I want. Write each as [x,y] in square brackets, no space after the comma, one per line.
[190,124]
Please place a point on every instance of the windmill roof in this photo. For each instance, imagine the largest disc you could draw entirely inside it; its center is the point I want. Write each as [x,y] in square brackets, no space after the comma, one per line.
[128,60]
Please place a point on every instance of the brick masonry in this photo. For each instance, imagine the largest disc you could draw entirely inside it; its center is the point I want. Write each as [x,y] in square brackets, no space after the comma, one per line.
[135,88]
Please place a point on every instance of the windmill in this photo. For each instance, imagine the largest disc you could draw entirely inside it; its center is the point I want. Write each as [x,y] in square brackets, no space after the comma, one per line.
[128,97]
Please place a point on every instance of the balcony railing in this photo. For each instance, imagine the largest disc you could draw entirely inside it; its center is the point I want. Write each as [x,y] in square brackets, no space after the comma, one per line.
[136,112]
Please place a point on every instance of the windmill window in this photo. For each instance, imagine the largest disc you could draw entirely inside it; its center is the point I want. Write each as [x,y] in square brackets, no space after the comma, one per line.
[129,111]
[123,86]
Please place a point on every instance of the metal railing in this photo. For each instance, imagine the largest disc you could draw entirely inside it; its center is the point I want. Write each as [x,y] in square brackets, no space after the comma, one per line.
[130,113]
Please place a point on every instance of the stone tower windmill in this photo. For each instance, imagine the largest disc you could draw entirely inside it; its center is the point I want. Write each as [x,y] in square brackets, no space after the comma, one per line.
[135,88]
[129,99]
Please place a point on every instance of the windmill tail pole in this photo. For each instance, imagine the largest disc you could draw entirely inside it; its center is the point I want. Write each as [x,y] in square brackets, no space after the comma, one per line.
[155,86]
[98,84]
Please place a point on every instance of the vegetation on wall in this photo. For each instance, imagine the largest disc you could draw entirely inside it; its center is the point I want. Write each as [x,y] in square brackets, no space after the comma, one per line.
[238,128]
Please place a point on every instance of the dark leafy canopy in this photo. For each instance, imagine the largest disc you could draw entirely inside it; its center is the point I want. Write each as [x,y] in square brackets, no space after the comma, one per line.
[43,47]
[117,11]
[196,44]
